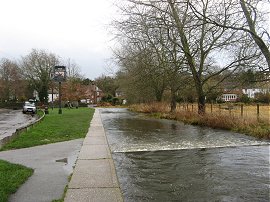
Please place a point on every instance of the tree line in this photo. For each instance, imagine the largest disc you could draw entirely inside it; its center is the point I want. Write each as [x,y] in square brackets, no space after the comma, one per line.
[33,72]
[172,47]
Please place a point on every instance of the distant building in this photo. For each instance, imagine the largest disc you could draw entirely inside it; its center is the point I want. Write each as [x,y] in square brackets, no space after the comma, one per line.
[251,92]
[93,94]
[119,93]
[53,95]
[233,94]
[230,95]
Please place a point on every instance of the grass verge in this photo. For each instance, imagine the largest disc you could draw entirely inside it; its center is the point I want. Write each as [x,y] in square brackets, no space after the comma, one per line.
[71,124]
[65,191]
[11,177]
[249,126]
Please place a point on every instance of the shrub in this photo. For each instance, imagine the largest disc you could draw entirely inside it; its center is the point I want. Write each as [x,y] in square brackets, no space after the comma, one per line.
[262,97]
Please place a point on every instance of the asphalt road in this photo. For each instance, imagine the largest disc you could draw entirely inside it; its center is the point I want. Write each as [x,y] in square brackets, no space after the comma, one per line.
[10,120]
[52,165]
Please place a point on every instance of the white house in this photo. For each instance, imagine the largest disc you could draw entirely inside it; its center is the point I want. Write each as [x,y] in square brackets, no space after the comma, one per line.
[229,97]
[250,92]
[53,95]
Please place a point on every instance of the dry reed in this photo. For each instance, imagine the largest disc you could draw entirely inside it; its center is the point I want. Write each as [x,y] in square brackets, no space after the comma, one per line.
[248,125]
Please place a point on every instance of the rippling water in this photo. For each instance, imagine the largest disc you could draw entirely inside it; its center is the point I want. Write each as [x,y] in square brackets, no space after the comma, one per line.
[163,160]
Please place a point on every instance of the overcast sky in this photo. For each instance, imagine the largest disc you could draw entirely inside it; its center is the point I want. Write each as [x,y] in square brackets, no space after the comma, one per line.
[73,29]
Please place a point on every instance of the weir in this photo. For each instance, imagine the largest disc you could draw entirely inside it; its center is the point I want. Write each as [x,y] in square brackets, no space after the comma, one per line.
[167,160]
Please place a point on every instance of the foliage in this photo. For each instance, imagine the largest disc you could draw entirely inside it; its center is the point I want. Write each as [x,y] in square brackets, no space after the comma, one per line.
[110,99]
[72,124]
[262,97]
[12,176]
[245,99]
[37,67]
[73,90]
[11,105]
[12,85]
[107,84]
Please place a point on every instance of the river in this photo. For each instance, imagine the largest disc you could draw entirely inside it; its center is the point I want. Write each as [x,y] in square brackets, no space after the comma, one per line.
[165,160]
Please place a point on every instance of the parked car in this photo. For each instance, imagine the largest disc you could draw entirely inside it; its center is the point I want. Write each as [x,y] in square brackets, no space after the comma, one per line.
[29,107]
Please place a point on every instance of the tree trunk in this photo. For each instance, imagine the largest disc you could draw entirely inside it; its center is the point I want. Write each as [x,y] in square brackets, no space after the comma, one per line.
[201,99]
[159,95]
[173,101]
[201,104]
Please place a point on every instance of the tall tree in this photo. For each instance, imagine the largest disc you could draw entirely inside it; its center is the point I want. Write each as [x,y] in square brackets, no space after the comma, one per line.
[37,67]
[249,16]
[107,84]
[12,85]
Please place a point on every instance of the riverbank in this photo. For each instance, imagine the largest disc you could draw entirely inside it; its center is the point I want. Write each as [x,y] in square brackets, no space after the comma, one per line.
[250,126]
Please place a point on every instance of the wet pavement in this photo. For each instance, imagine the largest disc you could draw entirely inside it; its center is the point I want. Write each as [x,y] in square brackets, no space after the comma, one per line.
[52,166]
[10,120]
[94,178]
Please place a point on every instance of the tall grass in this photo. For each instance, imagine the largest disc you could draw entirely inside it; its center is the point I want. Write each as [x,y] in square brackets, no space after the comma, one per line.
[248,125]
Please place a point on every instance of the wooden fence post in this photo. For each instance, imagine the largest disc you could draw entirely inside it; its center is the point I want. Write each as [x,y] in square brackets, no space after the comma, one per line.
[258,111]
[242,110]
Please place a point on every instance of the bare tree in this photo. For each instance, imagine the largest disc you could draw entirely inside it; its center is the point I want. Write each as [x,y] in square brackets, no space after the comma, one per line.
[73,70]
[191,45]
[203,43]
[12,85]
[247,16]
[37,67]
[150,57]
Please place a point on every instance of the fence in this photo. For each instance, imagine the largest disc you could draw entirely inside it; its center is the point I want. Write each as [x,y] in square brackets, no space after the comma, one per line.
[257,111]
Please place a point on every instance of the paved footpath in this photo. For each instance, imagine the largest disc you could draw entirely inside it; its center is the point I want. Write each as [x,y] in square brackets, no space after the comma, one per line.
[51,171]
[94,178]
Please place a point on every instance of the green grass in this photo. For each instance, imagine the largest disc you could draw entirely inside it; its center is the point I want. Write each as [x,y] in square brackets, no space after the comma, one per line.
[11,177]
[65,191]
[71,124]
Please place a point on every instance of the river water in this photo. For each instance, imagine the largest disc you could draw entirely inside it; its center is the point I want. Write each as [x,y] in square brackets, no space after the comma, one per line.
[164,160]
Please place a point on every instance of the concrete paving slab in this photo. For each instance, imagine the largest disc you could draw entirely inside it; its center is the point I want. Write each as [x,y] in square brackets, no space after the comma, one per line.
[96,133]
[94,195]
[93,174]
[94,177]
[94,152]
[95,140]
[96,128]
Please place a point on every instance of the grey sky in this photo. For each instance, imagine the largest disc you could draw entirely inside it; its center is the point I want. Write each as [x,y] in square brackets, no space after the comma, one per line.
[73,29]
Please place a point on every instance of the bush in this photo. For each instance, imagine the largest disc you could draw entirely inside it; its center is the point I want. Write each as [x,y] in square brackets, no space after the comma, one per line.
[83,104]
[11,105]
[245,99]
[262,97]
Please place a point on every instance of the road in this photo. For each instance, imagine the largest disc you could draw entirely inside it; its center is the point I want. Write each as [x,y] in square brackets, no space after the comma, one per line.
[10,120]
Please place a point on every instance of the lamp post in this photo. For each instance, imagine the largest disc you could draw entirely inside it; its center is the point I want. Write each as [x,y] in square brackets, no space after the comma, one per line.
[59,76]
